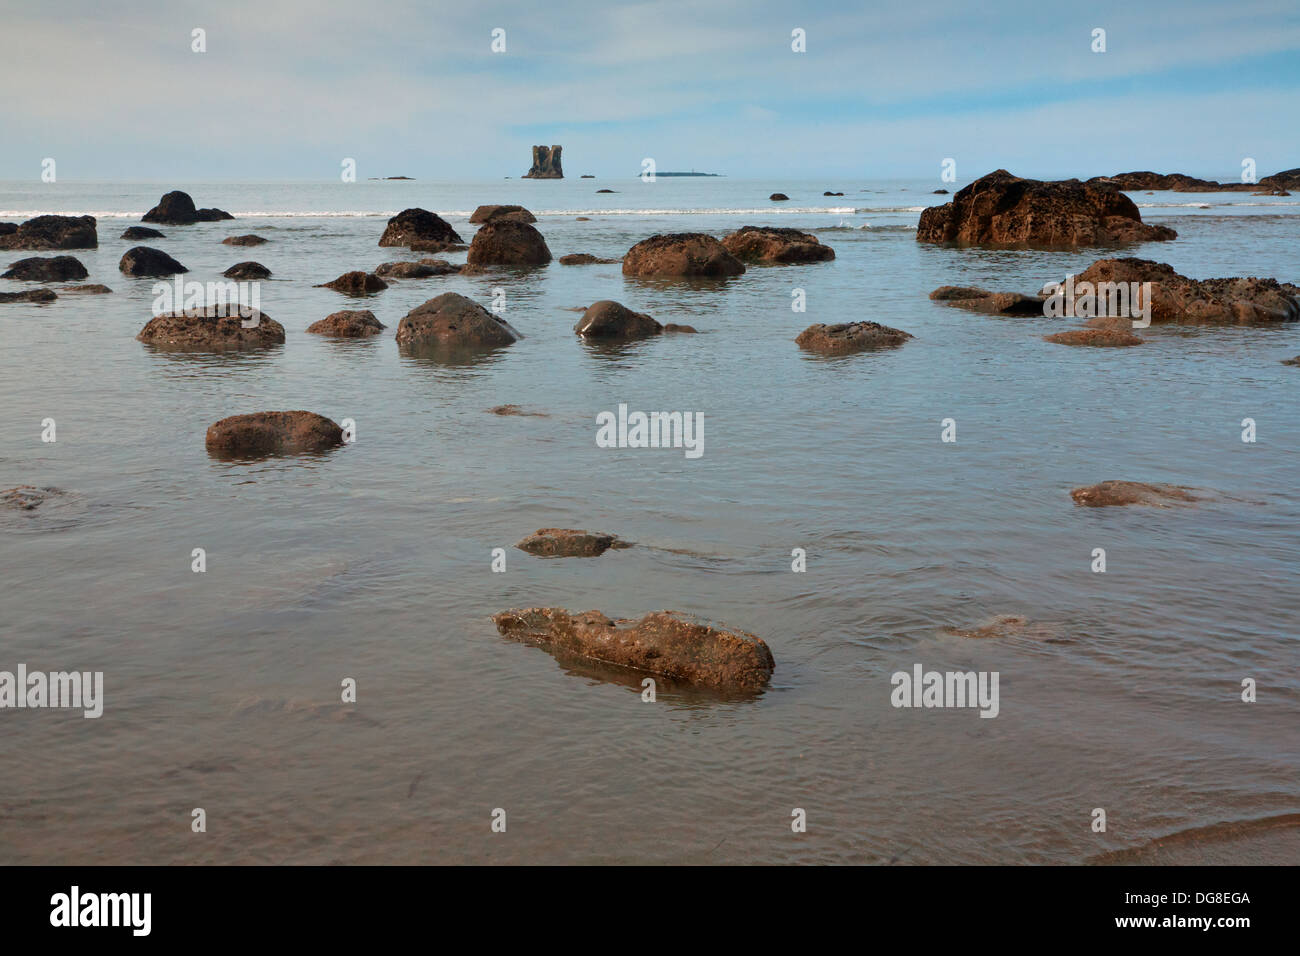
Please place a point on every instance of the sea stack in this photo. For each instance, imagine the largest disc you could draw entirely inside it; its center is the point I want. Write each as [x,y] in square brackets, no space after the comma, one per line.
[546,163]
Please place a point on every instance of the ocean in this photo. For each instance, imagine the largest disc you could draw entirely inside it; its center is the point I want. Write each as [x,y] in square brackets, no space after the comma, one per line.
[374,562]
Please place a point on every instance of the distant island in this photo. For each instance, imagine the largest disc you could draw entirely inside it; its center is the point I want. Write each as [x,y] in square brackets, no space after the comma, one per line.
[691,173]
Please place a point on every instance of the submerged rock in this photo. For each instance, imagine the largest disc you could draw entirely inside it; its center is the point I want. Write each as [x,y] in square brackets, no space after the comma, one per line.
[584,259]
[51,232]
[1002,210]
[569,543]
[492,213]
[681,255]
[1292,361]
[441,267]
[247,271]
[666,643]
[136,233]
[454,321]
[52,269]
[1098,337]
[176,208]
[610,319]
[143,261]
[990,303]
[212,329]
[355,283]
[419,225]
[92,289]
[778,197]
[405,270]
[348,325]
[519,410]
[1114,493]
[771,245]
[31,295]
[27,497]
[508,242]
[248,240]
[849,337]
[273,433]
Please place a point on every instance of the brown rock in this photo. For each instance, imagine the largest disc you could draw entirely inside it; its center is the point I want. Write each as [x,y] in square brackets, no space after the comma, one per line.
[143,261]
[506,242]
[247,271]
[849,337]
[406,270]
[441,267]
[453,321]
[1292,361]
[1100,337]
[212,329]
[248,240]
[31,295]
[51,269]
[779,197]
[86,289]
[52,232]
[356,283]
[584,259]
[273,433]
[674,327]
[419,225]
[546,163]
[776,246]
[1003,211]
[1176,298]
[610,319]
[348,325]
[569,543]
[491,213]
[26,497]
[990,303]
[519,410]
[667,643]
[136,233]
[681,255]
[1111,493]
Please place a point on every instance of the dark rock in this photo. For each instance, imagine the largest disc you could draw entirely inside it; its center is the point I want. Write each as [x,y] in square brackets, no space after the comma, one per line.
[454,321]
[136,233]
[546,163]
[1113,493]
[1292,361]
[940,192]
[609,319]
[86,289]
[681,255]
[143,261]
[686,329]
[405,270]
[584,259]
[1176,298]
[436,245]
[569,543]
[1004,211]
[247,271]
[441,267]
[31,295]
[8,228]
[272,433]
[849,337]
[419,225]
[52,232]
[776,246]
[778,197]
[666,643]
[599,191]
[490,213]
[505,242]
[348,325]
[355,283]
[248,240]
[212,329]
[832,194]
[990,303]
[1098,337]
[52,269]
[504,410]
[177,209]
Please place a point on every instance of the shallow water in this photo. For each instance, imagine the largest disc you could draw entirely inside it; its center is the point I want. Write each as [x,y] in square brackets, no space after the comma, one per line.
[373,562]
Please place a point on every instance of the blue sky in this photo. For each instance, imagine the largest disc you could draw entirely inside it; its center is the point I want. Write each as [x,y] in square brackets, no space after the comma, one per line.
[288,88]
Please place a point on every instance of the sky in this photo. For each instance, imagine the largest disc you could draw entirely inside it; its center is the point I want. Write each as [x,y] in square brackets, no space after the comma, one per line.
[287,89]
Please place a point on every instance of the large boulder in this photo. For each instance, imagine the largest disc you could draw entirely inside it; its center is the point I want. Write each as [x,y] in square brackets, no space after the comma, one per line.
[490,213]
[214,328]
[52,232]
[272,433]
[507,242]
[52,269]
[247,271]
[419,225]
[609,319]
[348,325]
[670,644]
[451,320]
[849,337]
[681,255]
[1004,211]
[355,283]
[569,543]
[775,246]
[1176,298]
[137,233]
[546,163]
[144,261]
[176,208]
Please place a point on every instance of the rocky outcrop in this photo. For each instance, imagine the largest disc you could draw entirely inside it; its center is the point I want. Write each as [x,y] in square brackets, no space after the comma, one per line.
[490,213]
[609,319]
[1181,183]
[212,329]
[666,643]
[681,255]
[772,246]
[1106,338]
[348,325]
[177,209]
[52,269]
[136,233]
[1004,211]
[584,259]
[569,543]
[990,303]
[247,271]
[431,231]
[849,337]
[272,433]
[453,321]
[546,163]
[248,240]
[1178,299]
[1115,493]
[31,295]
[52,233]
[507,242]
[355,283]
[144,261]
